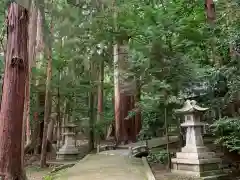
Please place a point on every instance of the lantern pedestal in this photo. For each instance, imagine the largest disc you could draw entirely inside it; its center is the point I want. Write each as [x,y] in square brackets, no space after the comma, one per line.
[69,150]
[195,159]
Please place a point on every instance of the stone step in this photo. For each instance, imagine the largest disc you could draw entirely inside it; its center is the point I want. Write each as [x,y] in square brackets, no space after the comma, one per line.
[219,154]
[213,146]
[203,155]
[217,177]
[209,140]
[207,175]
[212,173]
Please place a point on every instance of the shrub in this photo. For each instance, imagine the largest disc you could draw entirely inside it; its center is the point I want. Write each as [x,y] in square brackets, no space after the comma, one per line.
[228,132]
[158,157]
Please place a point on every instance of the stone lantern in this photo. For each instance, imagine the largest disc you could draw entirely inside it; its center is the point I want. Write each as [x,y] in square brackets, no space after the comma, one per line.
[195,159]
[69,150]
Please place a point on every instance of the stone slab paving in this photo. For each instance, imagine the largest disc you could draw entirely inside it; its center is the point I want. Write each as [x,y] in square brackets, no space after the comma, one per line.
[112,165]
[154,142]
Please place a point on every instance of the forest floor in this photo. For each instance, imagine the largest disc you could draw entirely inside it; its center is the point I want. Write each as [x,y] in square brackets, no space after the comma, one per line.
[36,173]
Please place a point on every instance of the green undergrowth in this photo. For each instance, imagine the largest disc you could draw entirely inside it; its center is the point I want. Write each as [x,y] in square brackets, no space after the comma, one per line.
[48,177]
[227,131]
[158,155]
[36,169]
[46,173]
[55,175]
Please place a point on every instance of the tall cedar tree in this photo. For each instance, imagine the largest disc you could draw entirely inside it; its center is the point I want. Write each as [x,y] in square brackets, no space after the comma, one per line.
[12,105]
[48,101]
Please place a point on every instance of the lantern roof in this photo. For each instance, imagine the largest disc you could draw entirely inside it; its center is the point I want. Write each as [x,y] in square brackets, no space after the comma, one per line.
[190,106]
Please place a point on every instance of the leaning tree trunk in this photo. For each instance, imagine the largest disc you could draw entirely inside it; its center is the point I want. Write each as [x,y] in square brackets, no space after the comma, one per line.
[36,47]
[26,130]
[46,111]
[48,102]
[32,29]
[12,105]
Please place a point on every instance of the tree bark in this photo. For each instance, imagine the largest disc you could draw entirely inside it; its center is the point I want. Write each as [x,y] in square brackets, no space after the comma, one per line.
[100,100]
[46,112]
[48,102]
[117,99]
[100,91]
[91,121]
[92,106]
[26,130]
[138,116]
[210,11]
[12,105]
[32,29]
[58,118]
[126,127]
[50,130]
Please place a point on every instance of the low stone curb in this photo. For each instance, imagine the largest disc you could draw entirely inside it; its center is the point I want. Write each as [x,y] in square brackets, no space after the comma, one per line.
[70,165]
[148,170]
[105,148]
[85,158]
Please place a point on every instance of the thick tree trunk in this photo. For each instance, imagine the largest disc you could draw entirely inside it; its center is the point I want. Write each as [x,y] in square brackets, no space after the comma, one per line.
[37,135]
[35,35]
[39,36]
[48,103]
[126,128]
[48,97]
[32,55]
[58,118]
[92,107]
[26,130]
[117,100]
[32,29]
[12,105]
[36,48]
[100,92]
[33,147]
[46,110]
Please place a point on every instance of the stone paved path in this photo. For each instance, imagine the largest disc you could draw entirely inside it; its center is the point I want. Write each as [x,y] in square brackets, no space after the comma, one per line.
[154,142]
[111,165]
